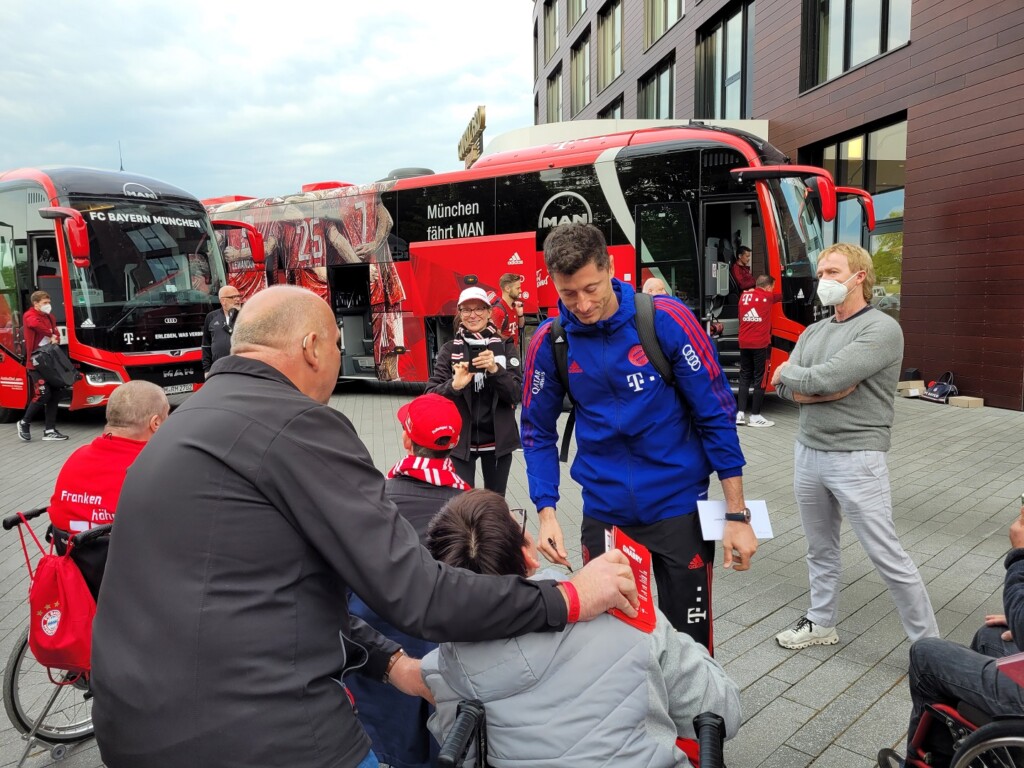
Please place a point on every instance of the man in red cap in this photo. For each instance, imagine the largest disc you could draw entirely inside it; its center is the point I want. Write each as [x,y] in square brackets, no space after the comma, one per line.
[419,485]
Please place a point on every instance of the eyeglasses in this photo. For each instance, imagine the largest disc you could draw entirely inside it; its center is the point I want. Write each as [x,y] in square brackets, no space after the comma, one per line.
[474,311]
[520,516]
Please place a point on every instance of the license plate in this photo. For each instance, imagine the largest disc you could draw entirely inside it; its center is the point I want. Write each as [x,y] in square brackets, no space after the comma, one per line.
[175,389]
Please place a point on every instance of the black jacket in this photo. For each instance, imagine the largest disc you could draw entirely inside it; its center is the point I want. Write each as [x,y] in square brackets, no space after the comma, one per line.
[216,338]
[1013,594]
[495,404]
[239,528]
[418,501]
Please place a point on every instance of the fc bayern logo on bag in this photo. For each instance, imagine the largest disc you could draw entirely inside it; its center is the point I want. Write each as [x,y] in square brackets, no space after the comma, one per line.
[51,620]
[637,356]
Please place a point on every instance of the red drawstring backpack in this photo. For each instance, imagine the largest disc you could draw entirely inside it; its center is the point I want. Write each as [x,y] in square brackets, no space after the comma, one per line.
[62,609]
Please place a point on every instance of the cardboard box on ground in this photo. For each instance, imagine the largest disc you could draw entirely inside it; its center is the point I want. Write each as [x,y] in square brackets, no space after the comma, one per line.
[912,388]
[963,401]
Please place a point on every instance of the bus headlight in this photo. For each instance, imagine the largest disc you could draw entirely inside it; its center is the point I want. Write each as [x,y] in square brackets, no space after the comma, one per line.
[100,376]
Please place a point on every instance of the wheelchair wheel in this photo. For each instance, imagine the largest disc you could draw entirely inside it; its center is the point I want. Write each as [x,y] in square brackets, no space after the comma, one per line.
[27,689]
[1000,744]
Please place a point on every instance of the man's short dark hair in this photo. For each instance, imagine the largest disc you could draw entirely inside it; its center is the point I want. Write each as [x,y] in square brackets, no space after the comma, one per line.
[570,247]
[475,531]
[764,281]
[430,453]
[742,249]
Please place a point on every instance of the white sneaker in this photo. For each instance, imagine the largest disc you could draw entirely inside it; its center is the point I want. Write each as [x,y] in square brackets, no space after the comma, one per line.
[740,421]
[757,420]
[805,633]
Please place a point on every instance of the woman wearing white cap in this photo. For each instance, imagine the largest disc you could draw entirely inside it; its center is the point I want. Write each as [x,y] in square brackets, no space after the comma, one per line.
[480,372]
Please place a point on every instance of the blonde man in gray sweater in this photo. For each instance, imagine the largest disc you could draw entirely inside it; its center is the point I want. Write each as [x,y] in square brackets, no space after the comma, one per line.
[843,373]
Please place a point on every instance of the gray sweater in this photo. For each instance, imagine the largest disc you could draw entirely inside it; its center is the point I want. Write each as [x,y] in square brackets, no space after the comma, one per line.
[865,350]
[599,693]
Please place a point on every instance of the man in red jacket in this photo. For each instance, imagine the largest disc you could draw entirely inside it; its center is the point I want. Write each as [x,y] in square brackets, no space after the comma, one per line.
[40,329]
[755,348]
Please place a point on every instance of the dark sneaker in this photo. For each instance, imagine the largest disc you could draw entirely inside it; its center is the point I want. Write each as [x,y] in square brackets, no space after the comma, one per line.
[24,431]
[53,434]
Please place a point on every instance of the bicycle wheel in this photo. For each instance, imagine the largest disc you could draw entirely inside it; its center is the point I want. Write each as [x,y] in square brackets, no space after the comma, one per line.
[27,689]
[1000,744]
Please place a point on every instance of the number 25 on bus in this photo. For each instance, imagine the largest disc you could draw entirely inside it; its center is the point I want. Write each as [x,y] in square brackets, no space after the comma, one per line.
[673,202]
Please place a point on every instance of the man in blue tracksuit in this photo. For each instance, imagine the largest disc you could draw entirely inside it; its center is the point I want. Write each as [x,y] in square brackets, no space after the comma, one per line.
[645,449]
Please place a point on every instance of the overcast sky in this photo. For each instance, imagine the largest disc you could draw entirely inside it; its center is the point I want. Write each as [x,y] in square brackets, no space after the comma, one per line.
[257,98]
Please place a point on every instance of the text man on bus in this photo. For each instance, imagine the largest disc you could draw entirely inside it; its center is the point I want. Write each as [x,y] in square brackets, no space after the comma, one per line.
[644,451]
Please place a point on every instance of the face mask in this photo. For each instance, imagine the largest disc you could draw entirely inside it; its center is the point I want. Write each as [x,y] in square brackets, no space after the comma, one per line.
[46,308]
[832,293]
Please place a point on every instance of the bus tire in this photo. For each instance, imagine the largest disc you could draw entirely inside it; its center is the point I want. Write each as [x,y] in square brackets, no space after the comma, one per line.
[9,415]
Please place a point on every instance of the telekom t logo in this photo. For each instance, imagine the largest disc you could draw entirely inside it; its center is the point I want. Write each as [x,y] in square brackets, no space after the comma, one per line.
[635,381]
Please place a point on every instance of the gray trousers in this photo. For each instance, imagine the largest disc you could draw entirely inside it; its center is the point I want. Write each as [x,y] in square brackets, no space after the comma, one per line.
[830,484]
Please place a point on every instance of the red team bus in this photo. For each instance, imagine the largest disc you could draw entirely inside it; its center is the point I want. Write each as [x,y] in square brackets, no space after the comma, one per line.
[132,267]
[673,202]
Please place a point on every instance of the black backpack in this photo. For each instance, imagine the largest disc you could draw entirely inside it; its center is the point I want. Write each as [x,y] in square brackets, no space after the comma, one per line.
[648,340]
[941,390]
[53,364]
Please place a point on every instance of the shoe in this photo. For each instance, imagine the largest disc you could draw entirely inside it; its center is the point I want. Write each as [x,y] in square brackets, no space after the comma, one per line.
[890,758]
[740,421]
[53,434]
[805,634]
[24,431]
[757,420]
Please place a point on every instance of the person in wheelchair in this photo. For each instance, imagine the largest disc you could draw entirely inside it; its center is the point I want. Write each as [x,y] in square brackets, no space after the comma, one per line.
[593,694]
[943,672]
[89,484]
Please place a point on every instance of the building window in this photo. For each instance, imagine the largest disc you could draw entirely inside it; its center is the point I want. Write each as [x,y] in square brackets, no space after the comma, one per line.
[576,9]
[536,53]
[580,85]
[654,100]
[724,66]
[838,35]
[550,29]
[613,111]
[555,96]
[609,44]
[659,15]
[876,161]
[536,110]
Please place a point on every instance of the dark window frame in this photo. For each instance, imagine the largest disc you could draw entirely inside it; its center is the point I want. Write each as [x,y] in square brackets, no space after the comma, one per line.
[706,65]
[652,77]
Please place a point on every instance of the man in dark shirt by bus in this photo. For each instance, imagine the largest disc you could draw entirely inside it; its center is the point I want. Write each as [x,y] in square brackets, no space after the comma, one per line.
[218,326]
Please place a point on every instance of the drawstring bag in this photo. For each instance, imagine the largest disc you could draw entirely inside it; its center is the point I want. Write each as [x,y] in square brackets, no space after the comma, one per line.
[941,390]
[62,609]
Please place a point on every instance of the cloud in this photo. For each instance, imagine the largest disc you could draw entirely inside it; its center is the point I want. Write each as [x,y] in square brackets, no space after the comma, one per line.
[258,98]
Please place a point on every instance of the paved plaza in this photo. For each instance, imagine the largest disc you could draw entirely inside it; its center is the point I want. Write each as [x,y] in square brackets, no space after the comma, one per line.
[957,479]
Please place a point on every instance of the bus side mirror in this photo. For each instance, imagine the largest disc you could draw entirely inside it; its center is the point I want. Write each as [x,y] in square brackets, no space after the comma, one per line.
[253,235]
[825,190]
[77,232]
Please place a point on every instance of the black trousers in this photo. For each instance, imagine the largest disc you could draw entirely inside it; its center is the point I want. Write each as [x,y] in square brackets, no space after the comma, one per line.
[46,401]
[682,563]
[495,469]
[752,370]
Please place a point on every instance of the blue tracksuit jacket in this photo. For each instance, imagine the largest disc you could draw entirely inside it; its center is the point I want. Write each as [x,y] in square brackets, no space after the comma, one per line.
[645,450]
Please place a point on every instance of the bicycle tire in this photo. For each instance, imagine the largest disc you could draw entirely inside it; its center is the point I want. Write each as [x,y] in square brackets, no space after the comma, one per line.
[27,688]
[999,744]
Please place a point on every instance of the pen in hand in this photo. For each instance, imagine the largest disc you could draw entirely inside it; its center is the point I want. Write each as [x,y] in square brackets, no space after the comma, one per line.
[555,547]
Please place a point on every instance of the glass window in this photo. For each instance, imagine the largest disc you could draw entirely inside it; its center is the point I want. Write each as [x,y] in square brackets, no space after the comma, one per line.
[609,44]
[841,34]
[724,75]
[613,111]
[576,9]
[536,53]
[580,75]
[659,15]
[655,96]
[554,101]
[887,157]
[851,162]
[550,29]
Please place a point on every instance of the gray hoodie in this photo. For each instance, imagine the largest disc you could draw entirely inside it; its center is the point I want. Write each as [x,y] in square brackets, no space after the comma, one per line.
[598,693]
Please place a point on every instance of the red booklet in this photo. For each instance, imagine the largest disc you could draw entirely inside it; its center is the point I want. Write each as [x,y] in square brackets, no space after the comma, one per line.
[1013,667]
[640,560]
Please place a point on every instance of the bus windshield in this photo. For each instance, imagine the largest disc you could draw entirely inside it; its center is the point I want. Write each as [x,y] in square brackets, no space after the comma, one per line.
[800,226]
[154,274]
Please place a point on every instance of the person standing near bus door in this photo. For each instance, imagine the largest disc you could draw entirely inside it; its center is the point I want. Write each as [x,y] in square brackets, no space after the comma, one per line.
[508,312]
[843,373]
[740,269]
[40,329]
[755,340]
[645,448]
[218,326]
[479,371]
[655,286]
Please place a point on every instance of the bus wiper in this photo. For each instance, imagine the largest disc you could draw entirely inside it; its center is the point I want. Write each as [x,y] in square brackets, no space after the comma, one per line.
[124,317]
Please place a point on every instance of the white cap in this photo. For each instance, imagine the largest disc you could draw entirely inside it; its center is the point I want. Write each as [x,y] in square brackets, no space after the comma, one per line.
[473,293]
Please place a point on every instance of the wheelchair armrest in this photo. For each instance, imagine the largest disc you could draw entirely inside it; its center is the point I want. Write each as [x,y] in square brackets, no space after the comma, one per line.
[91,535]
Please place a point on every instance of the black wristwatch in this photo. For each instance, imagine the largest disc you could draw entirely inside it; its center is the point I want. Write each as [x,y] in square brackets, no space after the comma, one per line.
[743,516]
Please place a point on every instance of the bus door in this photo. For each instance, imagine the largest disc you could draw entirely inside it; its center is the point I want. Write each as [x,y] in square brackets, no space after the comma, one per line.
[666,247]
[13,381]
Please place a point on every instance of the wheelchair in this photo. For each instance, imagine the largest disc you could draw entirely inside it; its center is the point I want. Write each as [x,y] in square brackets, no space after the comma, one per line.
[469,731]
[51,710]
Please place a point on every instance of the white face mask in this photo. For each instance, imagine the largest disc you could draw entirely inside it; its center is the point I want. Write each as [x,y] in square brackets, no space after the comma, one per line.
[831,293]
[46,308]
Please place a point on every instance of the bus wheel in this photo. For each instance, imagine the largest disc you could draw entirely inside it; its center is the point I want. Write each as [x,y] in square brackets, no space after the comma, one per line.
[7,415]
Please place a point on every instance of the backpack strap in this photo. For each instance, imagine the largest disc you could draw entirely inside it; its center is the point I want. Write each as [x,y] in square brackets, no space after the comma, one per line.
[649,337]
[560,351]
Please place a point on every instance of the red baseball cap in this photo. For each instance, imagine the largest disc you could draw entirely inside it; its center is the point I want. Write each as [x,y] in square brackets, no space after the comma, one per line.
[432,421]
